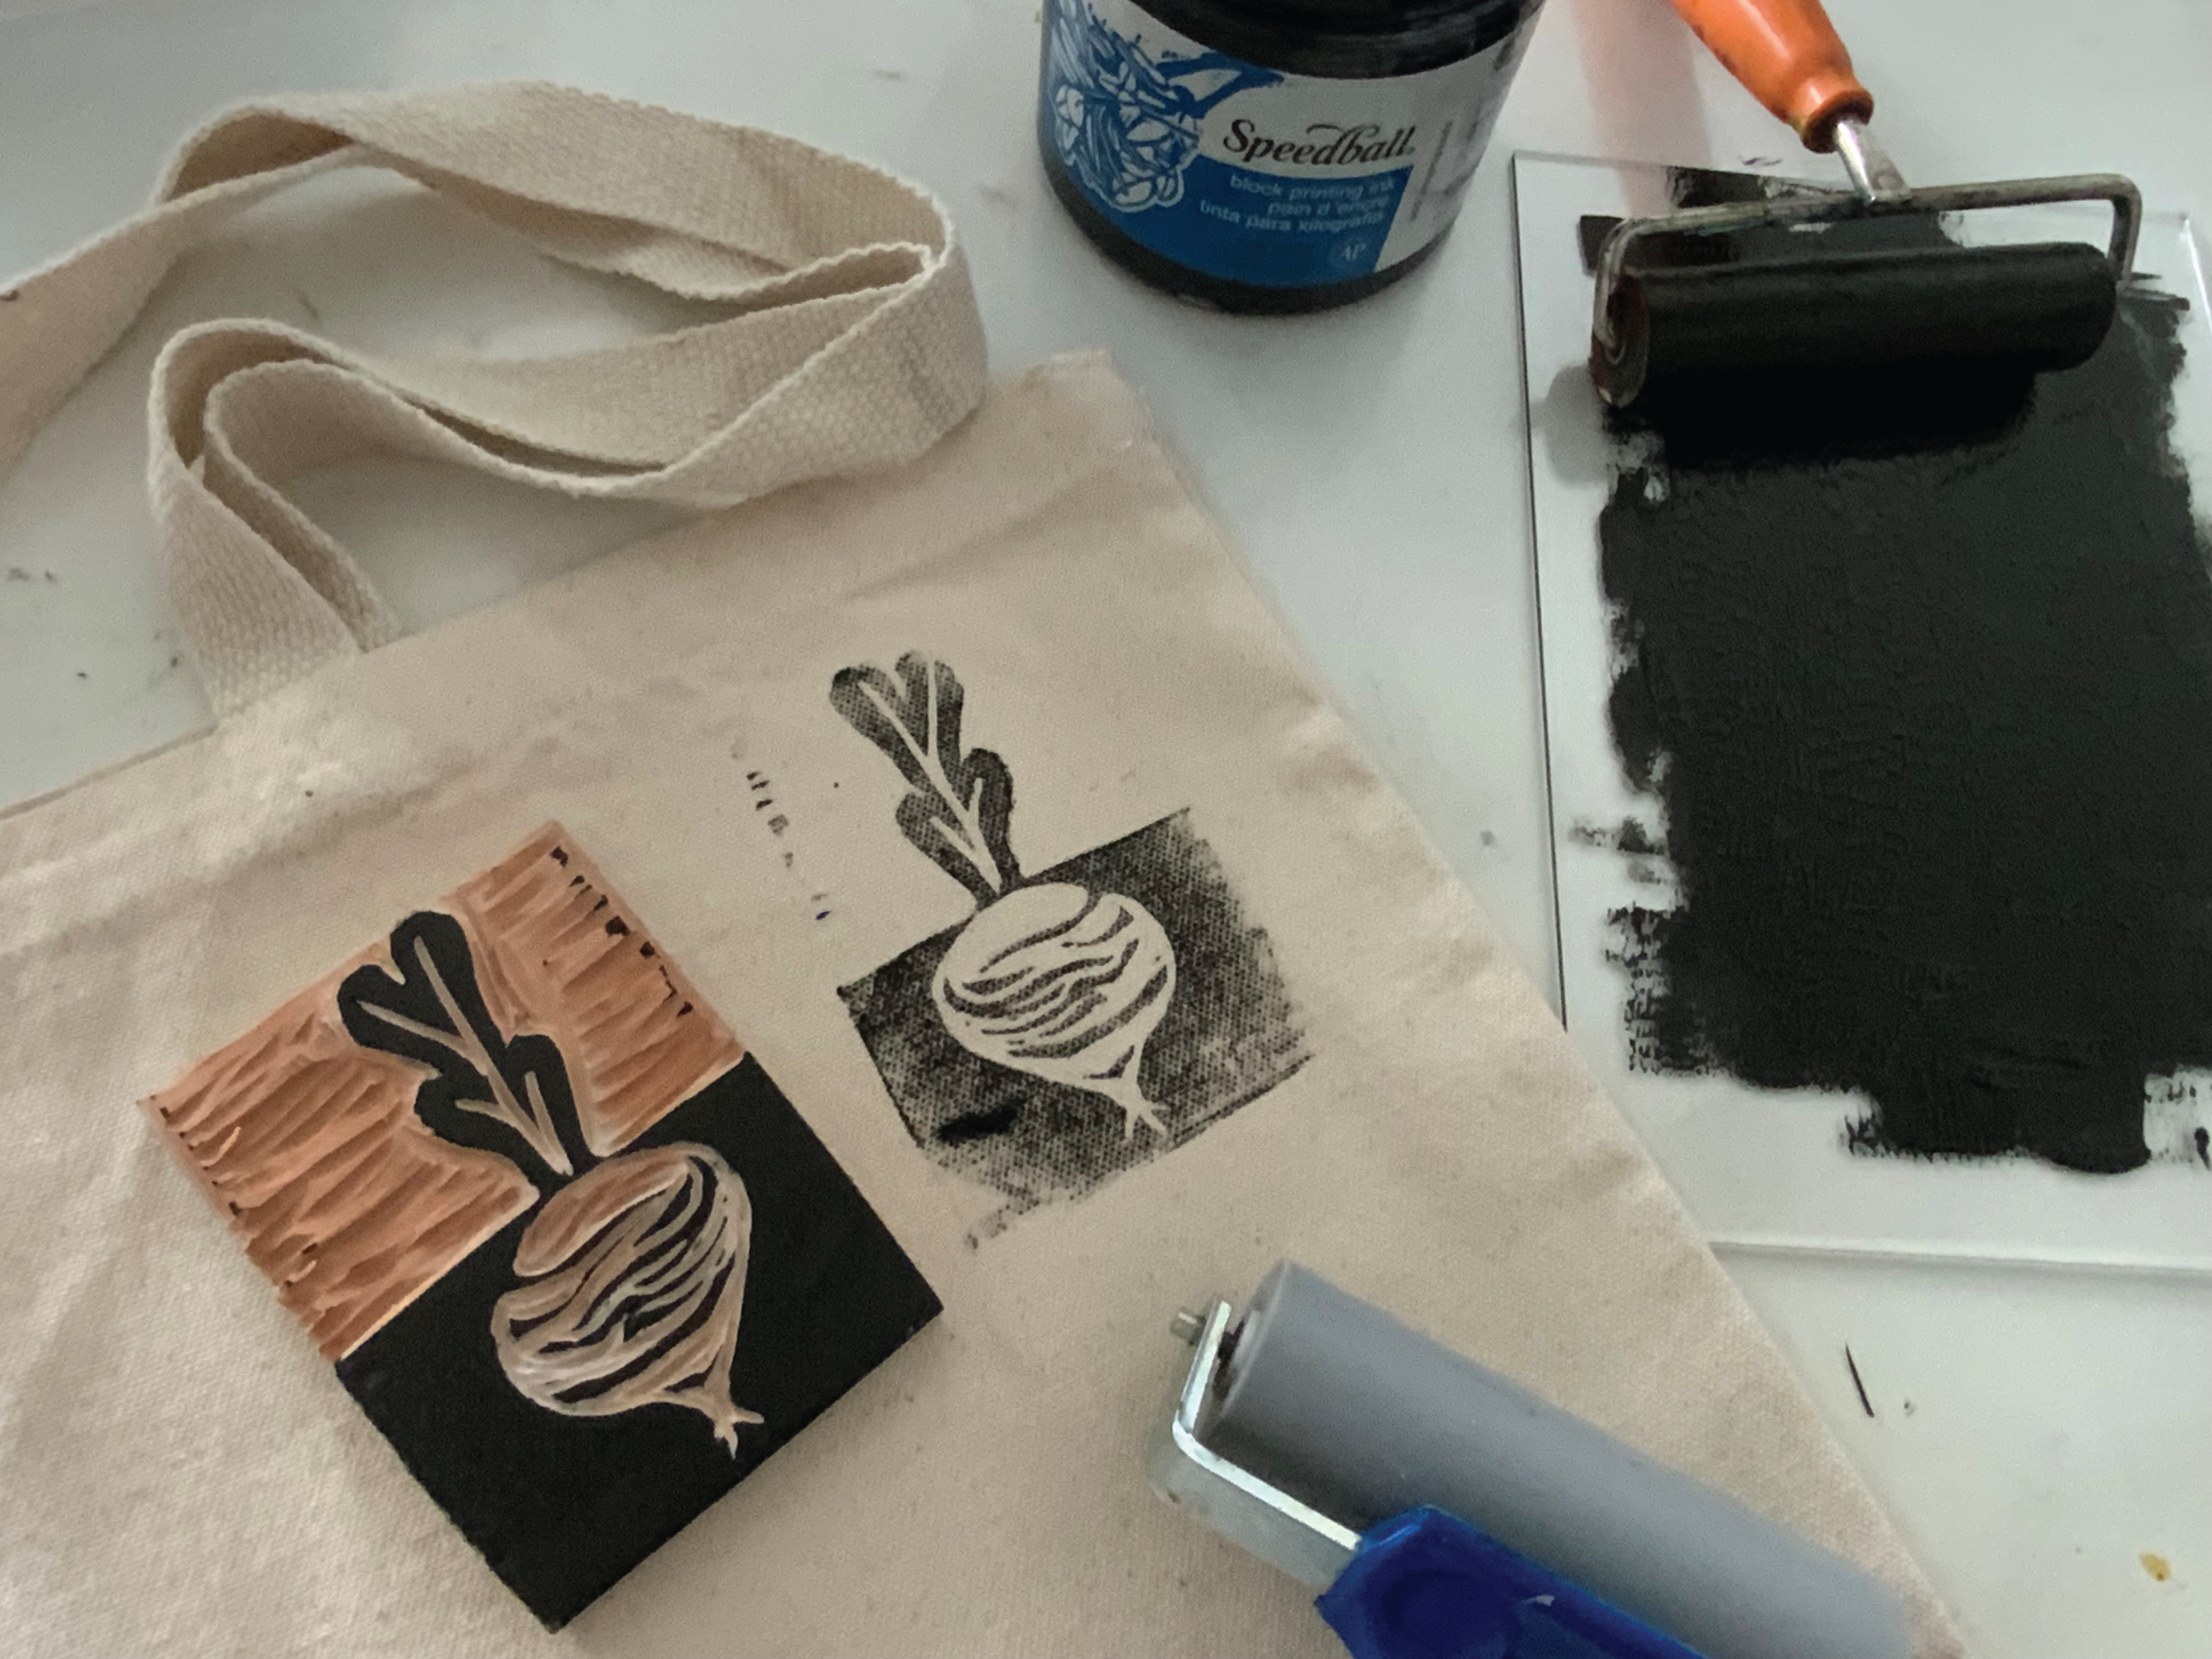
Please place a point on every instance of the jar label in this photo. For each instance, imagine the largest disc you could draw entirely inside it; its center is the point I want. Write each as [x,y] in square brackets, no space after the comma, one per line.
[1253,175]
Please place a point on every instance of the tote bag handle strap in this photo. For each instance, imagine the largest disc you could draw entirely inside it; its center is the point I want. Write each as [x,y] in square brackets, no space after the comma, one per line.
[849,341]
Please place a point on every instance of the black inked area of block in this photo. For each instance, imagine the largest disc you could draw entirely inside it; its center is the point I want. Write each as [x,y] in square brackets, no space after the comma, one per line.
[563,1506]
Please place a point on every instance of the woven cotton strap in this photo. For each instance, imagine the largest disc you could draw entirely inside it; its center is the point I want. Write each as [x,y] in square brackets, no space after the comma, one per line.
[850,341]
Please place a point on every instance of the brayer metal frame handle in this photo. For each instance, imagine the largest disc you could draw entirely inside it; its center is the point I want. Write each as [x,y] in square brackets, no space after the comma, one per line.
[1236,1502]
[1827,207]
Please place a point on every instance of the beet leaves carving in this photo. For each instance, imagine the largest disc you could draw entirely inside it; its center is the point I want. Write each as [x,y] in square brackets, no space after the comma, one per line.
[490,1092]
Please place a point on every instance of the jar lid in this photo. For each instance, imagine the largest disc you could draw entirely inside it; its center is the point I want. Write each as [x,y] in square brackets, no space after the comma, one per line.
[1354,39]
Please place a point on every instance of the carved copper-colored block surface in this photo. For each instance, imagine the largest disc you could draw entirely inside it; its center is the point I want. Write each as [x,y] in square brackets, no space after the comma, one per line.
[562,1236]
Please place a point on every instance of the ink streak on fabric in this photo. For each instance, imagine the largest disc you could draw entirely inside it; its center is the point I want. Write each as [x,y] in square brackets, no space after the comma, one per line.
[1922,676]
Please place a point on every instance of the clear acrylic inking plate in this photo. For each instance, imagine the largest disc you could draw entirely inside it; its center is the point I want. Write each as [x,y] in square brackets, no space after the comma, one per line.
[1763,1168]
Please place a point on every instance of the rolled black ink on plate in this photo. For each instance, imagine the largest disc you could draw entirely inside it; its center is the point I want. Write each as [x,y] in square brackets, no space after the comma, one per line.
[1919,668]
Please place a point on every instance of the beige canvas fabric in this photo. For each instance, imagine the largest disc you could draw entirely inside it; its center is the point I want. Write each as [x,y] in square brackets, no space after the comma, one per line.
[183,1474]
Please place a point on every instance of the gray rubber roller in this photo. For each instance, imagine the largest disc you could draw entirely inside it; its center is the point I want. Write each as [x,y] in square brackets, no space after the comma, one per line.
[1339,1404]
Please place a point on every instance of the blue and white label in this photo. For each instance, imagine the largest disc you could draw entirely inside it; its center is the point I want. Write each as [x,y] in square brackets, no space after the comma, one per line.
[1248,173]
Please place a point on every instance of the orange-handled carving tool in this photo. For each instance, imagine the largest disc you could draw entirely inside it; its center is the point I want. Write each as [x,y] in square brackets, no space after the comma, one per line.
[2036,306]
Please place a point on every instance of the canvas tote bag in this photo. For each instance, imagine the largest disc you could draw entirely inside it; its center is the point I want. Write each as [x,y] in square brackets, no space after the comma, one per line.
[1360,1078]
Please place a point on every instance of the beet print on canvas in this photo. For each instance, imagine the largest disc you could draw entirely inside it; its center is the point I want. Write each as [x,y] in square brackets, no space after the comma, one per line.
[1086,1017]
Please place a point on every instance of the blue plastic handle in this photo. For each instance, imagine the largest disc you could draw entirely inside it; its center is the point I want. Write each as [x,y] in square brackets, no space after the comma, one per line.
[1427,1586]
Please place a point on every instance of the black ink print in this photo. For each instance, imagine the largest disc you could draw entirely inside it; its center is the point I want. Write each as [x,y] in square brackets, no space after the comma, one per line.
[1226,1036]
[1922,676]
[1125,978]
[779,825]
[959,803]
[1049,978]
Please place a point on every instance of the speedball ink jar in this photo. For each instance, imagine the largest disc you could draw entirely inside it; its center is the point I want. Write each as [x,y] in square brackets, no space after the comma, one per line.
[1272,155]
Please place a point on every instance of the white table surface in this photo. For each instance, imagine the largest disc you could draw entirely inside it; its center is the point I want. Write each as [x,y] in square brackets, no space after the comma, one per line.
[2035,1433]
